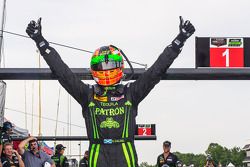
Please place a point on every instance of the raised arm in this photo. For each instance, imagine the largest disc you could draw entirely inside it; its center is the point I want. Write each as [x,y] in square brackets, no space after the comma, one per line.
[143,85]
[21,146]
[67,78]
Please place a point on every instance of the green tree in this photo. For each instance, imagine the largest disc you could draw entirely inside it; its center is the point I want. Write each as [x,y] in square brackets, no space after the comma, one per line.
[237,156]
[219,153]
[190,158]
[145,164]
[225,155]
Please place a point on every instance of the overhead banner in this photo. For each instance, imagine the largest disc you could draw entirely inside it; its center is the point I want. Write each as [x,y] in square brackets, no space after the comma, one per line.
[222,52]
[2,101]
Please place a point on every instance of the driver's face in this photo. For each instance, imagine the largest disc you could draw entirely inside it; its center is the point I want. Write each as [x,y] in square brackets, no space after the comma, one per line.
[166,149]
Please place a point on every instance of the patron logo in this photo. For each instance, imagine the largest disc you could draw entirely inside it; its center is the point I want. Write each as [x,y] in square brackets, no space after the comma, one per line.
[218,41]
[116,98]
[235,42]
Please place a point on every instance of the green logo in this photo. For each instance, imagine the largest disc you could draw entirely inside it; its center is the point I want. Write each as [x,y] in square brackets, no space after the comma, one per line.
[91,104]
[109,123]
[234,42]
[128,103]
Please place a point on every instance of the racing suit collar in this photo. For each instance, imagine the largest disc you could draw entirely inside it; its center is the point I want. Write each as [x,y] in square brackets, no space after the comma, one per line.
[117,89]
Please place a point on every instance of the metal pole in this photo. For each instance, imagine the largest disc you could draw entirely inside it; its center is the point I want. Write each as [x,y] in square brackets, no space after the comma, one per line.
[32,115]
[2,28]
[57,112]
[25,105]
[171,74]
[77,138]
[39,103]
[80,151]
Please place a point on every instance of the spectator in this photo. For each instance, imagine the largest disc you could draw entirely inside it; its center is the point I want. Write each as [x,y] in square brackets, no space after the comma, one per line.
[5,135]
[59,159]
[167,159]
[10,157]
[85,160]
[34,157]
[209,162]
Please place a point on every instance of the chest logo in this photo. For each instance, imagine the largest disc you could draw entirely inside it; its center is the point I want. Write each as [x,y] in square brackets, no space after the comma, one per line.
[101,98]
[109,123]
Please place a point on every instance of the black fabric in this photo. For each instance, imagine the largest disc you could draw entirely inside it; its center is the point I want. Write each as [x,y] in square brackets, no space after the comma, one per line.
[110,112]
[170,161]
[202,52]
[246,52]
[5,138]
[6,162]
[60,160]
[84,162]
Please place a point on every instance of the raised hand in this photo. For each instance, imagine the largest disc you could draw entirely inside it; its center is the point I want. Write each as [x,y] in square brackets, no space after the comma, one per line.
[186,28]
[34,29]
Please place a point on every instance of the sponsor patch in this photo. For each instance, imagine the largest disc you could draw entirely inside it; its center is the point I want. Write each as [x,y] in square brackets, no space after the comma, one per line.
[101,98]
[236,42]
[218,41]
[116,98]
[107,141]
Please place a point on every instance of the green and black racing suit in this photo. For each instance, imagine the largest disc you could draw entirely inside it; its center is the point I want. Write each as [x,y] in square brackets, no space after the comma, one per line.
[110,112]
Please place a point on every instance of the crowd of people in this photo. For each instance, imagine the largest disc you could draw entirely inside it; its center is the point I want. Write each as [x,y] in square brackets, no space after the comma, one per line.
[29,154]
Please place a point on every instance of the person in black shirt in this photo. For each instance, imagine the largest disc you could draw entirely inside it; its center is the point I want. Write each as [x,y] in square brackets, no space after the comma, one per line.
[5,137]
[85,160]
[167,159]
[10,157]
[109,107]
[59,159]
[209,161]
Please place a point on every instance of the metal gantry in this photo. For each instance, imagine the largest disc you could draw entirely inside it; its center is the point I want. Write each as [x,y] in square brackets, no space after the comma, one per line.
[171,74]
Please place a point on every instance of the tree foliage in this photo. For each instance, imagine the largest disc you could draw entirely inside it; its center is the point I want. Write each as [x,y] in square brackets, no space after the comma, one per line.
[224,155]
[219,154]
[190,158]
[145,164]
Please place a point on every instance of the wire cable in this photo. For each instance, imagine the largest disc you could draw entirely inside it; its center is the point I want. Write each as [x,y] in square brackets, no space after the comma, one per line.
[66,46]
[46,118]
[54,43]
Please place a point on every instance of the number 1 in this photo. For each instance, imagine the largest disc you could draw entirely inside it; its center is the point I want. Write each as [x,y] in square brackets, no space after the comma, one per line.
[226,53]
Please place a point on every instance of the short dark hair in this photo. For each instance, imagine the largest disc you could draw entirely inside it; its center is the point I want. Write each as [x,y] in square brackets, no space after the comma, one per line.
[167,143]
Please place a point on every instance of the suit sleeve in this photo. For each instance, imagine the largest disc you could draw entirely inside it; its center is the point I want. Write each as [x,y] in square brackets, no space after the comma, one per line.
[158,162]
[146,82]
[74,86]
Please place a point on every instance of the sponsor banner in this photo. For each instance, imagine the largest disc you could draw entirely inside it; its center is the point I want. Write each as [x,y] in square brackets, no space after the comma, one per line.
[226,43]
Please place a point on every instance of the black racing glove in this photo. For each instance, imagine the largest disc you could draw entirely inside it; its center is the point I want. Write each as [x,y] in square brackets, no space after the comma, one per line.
[186,30]
[34,30]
